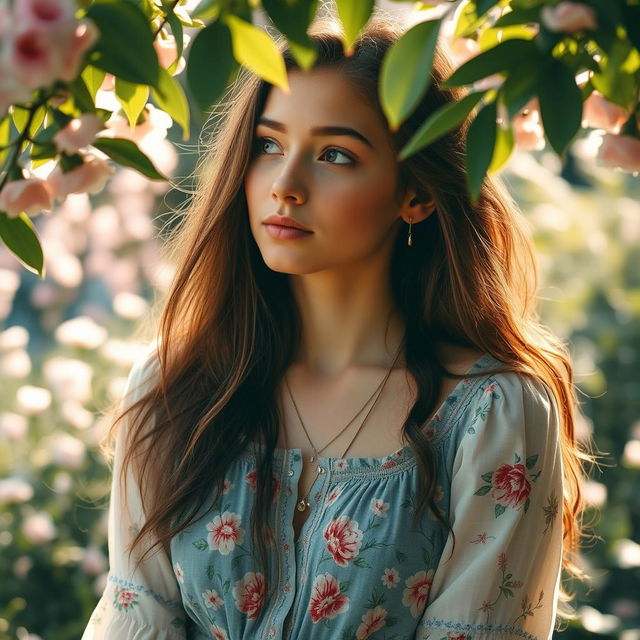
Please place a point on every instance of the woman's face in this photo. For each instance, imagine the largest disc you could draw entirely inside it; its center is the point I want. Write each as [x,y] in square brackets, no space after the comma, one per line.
[323,158]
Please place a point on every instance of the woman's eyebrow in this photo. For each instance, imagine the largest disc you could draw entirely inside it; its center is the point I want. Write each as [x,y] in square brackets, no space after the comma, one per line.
[321,131]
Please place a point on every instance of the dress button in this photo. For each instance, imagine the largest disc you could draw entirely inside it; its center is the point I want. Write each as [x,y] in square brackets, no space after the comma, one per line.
[290,473]
[320,469]
[272,631]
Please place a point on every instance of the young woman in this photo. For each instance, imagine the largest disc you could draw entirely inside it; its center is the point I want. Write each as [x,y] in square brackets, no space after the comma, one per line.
[352,423]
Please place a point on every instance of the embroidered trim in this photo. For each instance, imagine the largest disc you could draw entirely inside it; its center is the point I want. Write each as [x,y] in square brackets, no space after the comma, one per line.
[436,623]
[142,589]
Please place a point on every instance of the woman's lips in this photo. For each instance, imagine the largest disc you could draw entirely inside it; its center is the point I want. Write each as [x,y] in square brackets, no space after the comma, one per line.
[286,233]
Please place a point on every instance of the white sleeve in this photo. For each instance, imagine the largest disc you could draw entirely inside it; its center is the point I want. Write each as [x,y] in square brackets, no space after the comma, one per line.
[141,604]
[502,580]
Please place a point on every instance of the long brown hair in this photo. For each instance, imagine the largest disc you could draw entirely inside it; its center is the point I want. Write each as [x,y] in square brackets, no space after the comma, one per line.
[229,327]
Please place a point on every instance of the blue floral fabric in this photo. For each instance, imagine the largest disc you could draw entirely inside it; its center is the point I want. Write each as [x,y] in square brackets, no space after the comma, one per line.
[359,568]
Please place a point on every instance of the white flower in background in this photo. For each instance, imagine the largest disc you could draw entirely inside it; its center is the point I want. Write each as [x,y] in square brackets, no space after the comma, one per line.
[39,528]
[167,51]
[81,332]
[89,177]
[33,401]
[15,490]
[15,337]
[122,352]
[13,426]
[568,17]
[68,378]
[595,493]
[155,125]
[62,482]
[631,456]
[66,451]
[130,305]
[627,553]
[15,363]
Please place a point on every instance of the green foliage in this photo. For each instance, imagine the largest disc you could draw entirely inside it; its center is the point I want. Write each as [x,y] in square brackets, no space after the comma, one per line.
[21,238]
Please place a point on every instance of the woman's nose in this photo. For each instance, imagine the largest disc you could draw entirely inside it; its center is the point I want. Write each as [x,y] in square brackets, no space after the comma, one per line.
[289,184]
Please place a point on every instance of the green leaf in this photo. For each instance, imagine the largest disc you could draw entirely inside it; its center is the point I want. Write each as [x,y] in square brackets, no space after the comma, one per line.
[520,86]
[125,47]
[406,71]
[516,458]
[506,55]
[487,476]
[133,98]
[503,148]
[631,18]
[526,505]
[5,135]
[175,24]
[81,95]
[293,19]
[170,98]
[482,491]
[441,122]
[560,105]
[21,239]
[518,16]
[207,82]
[531,461]
[353,16]
[93,78]
[126,153]
[257,51]
[207,10]
[481,140]
[499,510]
[201,544]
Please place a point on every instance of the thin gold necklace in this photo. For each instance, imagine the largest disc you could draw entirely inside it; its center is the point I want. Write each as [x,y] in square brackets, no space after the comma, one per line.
[304,502]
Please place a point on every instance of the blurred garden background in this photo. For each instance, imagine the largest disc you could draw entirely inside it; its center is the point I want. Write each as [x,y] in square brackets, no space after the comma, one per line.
[67,343]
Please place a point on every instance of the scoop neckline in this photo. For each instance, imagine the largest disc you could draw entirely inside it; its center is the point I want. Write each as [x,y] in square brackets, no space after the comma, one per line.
[404,453]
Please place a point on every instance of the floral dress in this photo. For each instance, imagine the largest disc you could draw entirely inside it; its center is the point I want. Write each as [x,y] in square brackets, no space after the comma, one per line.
[359,568]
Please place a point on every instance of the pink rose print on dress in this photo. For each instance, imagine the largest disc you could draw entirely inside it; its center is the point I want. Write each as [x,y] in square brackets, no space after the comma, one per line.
[510,484]
[327,599]
[225,532]
[373,620]
[390,578]
[341,464]
[218,633]
[124,599]
[388,464]
[333,496]
[379,507]
[211,599]
[417,591]
[343,539]
[179,573]
[249,594]
[226,487]
[452,635]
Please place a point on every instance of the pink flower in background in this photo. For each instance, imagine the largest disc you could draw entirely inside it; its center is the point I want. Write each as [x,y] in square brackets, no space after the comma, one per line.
[568,17]
[39,528]
[11,89]
[79,133]
[82,39]
[42,42]
[167,51]
[56,16]
[599,113]
[15,490]
[91,176]
[622,152]
[30,196]
[527,128]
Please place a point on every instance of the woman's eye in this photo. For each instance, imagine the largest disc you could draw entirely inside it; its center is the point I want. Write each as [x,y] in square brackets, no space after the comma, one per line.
[333,154]
[262,145]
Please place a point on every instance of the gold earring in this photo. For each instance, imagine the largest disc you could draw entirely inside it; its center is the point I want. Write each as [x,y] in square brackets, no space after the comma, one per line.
[409,238]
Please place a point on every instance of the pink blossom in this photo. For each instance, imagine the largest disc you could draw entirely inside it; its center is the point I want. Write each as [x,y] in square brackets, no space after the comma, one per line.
[93,562]
[39,528]
[79,133]
[167,51]
[34,58]
[57,16]
[599,113]
[12,91]
[82,39]
[90,177]
[568,17]
[15,490]
[30,196]
[622,152]
[527,129]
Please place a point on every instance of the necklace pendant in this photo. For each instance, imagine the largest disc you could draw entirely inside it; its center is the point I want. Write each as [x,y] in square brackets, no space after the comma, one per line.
[302,505]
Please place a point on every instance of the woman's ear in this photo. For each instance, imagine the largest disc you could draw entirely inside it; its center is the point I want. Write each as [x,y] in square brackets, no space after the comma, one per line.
[416,208]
